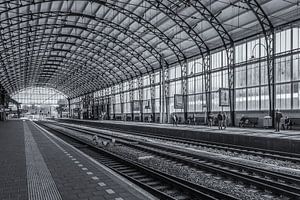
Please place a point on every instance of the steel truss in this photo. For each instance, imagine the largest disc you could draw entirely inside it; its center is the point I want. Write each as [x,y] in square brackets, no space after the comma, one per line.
[229,47]
[268,31]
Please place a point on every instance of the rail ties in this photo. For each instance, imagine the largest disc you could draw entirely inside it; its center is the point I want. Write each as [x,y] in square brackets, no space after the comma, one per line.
[279,184]
[158,183]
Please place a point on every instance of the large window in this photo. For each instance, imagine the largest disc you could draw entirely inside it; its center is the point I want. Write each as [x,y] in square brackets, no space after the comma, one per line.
[40,96]
[250,78]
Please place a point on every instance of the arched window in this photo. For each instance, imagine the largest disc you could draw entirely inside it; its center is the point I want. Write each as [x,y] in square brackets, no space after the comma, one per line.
[40,96]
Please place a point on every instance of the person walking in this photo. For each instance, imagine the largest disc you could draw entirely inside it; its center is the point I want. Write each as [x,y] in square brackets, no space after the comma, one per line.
[278,116]
[224,120]
[220,120]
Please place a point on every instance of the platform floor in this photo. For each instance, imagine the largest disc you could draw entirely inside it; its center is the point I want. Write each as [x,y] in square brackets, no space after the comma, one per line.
[37,165]
[284,141]
[258,132]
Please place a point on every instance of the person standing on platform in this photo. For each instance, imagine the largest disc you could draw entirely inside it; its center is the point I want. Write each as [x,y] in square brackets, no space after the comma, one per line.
[278,116]
[210,119]
[176,120]
[224,120]
[173,119]
[220,120]
[194,119]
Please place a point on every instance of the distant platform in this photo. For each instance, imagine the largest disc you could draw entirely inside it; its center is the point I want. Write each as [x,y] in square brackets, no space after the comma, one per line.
[37,165]
[285,140]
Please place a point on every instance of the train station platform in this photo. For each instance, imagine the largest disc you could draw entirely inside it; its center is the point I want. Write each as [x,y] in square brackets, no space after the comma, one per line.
[285,140]
[37,165]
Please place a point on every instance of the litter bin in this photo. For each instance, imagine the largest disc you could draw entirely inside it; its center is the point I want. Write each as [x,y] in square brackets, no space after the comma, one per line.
[267,122]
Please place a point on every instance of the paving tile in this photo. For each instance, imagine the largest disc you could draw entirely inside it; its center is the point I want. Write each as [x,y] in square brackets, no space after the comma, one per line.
[80,181]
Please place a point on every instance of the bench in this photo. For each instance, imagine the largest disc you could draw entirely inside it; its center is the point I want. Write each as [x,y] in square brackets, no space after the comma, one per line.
[295,123]
[249,121]
[200,120]
[119,118]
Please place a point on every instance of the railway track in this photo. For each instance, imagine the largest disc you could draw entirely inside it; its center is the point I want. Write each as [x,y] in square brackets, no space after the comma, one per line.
[284,156]
[279,184]
[159,184]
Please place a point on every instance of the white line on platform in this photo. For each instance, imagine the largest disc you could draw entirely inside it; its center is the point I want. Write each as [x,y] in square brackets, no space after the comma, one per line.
[132,185]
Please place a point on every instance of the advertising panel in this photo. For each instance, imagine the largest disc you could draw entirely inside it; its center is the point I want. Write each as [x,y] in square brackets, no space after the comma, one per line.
[178,101]
[223,97]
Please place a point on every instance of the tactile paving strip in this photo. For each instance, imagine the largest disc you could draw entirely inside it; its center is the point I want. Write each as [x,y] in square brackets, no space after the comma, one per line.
[39,180]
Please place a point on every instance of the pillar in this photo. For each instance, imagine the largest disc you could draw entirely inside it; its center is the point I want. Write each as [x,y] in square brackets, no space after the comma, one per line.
[152,94]
[140,88]
[184,90]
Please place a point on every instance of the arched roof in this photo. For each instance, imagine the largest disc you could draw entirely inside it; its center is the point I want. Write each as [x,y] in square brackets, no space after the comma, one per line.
[79,46]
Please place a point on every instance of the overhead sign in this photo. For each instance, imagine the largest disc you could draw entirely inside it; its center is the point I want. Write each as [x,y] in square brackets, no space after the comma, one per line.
[223,97]
[136,105]
[147,104]
[178,101]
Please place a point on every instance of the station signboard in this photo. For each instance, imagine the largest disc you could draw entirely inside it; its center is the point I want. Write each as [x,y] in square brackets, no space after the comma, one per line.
[136,105]
[147,104]
[223,97]
[178,101]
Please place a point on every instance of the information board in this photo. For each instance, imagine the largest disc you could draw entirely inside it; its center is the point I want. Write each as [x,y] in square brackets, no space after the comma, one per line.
[178,101]
[223,97]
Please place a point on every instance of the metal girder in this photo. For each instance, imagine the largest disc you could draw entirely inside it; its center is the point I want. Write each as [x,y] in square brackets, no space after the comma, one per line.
[184,89]
[170,12]
[207,82]
[121,89]
[63,64]
[152,94]
[268,31]
[229,47]
[141,96]
[116,41]
[74,36]
[150,27]
[135,38]
[87,58]
[79,56]
[111,55]
[212,19]
[164,92]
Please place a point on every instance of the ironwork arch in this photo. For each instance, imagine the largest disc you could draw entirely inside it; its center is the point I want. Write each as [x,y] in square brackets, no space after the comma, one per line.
[150,27]
[269,35]
[78,60]
[130,34]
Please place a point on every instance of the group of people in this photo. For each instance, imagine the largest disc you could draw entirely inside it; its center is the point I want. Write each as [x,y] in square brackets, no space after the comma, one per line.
[285,124]
[221,118]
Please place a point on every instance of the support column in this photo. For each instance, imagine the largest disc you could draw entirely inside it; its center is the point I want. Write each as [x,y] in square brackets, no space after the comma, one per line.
[107,98]
[270,44]
[164,94]
[207,81]
[69,105]
[113,102]
[152,94]
[140,86]
[18,110]
[131,99]
[184,90]
[230,58]
[2,104]
[122,100]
